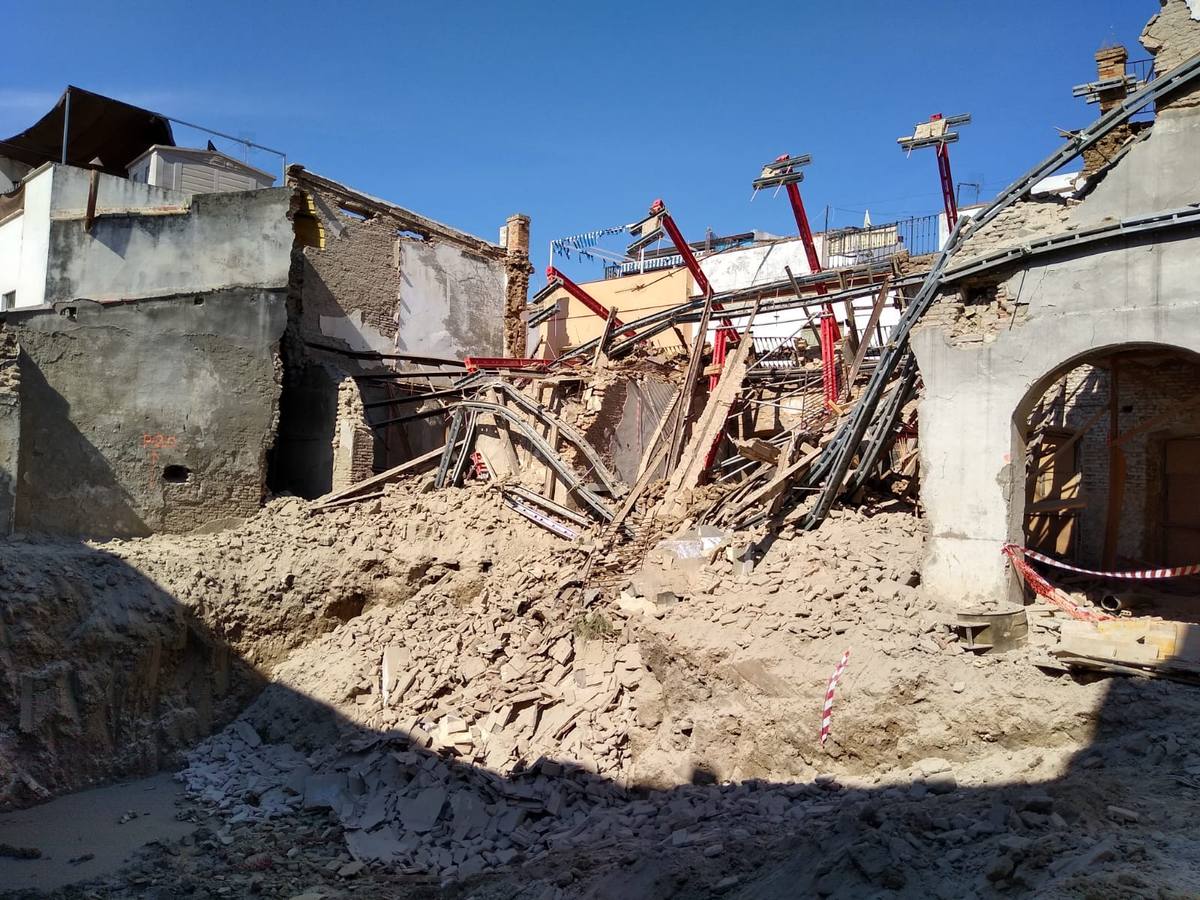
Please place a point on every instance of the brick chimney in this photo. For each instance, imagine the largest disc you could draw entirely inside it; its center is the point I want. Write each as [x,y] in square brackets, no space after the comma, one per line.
[1110,63]
[514,237]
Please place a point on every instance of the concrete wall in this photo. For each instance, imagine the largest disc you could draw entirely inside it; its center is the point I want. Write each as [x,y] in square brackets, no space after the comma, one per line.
[978,386]
[113,395]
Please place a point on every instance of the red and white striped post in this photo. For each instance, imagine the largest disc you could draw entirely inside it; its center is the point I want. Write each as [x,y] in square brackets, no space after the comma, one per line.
[827,712]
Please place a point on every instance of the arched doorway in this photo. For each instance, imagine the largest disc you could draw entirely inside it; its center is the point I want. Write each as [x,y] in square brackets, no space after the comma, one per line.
[1111,449]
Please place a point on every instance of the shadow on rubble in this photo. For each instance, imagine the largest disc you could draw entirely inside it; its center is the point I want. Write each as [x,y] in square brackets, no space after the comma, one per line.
[115,669]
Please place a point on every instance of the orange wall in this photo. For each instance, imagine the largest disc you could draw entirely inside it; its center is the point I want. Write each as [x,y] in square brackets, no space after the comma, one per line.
[634,296]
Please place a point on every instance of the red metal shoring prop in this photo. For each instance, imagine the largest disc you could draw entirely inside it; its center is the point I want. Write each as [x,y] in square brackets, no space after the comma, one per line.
[725,334]
[947,180]
[593,305]
[829,330]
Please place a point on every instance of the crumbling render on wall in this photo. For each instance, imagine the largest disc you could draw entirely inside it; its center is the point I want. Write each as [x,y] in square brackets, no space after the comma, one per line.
[515,240]
[1172,37]
[975,313]
[376,289]
[372,283]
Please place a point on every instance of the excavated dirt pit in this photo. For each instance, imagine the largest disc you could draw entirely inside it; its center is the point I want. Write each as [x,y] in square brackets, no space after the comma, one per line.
[535,745]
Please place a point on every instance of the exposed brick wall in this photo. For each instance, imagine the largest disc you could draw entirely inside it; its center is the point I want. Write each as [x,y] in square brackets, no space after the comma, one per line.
[354,275]
[1146,389]
[353,440]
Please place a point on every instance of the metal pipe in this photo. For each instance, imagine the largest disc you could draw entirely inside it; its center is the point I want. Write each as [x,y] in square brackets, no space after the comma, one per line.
[66,121]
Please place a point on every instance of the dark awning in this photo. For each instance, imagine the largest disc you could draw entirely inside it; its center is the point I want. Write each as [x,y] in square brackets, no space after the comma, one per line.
[98,127]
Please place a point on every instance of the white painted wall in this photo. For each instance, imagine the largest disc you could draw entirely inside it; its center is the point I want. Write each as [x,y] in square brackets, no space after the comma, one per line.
[750,266]
[25,242]
[10,253]
[56,192]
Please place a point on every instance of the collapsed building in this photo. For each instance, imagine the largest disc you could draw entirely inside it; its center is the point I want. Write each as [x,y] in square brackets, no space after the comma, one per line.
[548,590]
[186,349]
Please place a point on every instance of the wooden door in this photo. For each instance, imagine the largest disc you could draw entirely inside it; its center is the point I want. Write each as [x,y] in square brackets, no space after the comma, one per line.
[1181,503]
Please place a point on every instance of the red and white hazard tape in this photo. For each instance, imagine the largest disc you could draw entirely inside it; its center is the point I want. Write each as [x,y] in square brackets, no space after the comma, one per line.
[1045,589]
[827,712]
[1143,574]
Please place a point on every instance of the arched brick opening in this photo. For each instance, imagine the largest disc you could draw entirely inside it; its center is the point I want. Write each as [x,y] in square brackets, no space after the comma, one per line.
[1110,446]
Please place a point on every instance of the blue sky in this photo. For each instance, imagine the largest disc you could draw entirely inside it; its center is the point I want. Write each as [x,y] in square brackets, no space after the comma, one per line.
[581,114]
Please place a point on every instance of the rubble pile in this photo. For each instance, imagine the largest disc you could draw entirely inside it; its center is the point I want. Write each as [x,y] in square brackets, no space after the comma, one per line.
[457,708]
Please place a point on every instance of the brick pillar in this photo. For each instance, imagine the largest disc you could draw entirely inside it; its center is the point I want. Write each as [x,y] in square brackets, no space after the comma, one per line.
[353,438]
[1110,63]
[515,238]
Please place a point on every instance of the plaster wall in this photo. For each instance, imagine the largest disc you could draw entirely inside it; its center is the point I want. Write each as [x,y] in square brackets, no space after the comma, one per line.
[191,383]
[350,287]
[220,241]
[10,252]
[71,186]
[53,193]
[451,301]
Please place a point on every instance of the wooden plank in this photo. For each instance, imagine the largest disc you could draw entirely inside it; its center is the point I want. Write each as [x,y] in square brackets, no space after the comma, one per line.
[709,427]
[1070,442]
[548,486]
[872,323]
[384,477]
[778,483]
[1055,505]
[1116,469]
[644,481]
[506,442]
[600,358]
[687,389]
[786,458]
